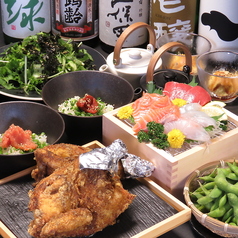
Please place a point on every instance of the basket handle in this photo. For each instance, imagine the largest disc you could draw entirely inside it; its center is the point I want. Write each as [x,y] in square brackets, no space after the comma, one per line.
[126,33]
[156,56]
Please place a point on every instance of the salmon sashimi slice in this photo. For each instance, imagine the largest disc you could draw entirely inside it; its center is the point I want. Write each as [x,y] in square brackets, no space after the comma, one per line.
[159,115]
[149,102]
[191,94]
[17,137]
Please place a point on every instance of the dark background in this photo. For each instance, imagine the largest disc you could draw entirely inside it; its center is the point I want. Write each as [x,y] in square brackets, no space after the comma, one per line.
[186,230]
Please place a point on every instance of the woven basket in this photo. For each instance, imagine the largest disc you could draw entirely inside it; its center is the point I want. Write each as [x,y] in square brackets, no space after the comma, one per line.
[216,226]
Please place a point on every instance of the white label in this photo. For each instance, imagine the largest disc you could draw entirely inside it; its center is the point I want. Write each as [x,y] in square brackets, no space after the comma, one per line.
[23,18]
[116,16]
[218,22]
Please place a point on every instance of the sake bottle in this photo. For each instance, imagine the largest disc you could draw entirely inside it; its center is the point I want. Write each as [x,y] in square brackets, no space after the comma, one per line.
[116,16]
[170,16]
[76,20]
[218,22]
[23,18]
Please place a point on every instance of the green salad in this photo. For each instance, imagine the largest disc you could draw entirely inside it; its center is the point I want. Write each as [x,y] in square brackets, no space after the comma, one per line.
[29,64]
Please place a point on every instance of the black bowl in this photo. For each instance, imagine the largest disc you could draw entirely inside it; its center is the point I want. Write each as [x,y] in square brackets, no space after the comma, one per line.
[110,88]
[30,116]
[162,76]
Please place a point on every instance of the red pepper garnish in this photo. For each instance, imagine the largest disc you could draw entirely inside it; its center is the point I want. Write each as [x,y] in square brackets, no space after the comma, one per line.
[88,104]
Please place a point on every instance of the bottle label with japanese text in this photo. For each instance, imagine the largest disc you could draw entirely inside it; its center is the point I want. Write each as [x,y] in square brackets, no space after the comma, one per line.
[76,19]
[24,18]
[170,16]
[116,16]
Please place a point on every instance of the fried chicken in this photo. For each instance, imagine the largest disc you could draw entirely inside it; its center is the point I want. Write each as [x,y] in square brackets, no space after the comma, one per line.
[69,202]
[72,202]
[60,155]
[56,156]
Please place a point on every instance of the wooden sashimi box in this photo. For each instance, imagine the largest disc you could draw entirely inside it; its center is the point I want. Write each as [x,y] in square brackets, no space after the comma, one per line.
[172,171]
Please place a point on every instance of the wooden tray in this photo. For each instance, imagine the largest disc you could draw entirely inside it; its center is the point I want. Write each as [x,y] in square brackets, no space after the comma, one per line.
[152,213]
[171,171]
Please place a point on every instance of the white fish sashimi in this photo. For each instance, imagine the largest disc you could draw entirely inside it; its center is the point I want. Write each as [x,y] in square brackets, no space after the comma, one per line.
[189,128]
[192,111]
[200,117]
[191,107]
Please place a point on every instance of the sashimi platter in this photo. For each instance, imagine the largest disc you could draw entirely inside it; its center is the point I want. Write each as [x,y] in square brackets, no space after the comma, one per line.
[179,115]
[178,128]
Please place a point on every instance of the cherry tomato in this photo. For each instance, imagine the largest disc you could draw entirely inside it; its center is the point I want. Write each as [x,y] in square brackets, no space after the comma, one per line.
[88,104]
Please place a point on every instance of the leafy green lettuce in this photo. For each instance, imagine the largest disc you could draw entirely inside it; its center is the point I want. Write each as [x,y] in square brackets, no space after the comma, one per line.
[29,64]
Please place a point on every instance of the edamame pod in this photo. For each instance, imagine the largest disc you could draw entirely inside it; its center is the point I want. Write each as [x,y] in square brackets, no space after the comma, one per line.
[222,201]
[228,215]
[233,168]
[233,200]
[232,176]
[215,192]
[219,212]
[207,178]
[223,184]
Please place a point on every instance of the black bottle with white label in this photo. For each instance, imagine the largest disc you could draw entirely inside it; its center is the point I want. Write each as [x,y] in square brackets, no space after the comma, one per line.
[76,20]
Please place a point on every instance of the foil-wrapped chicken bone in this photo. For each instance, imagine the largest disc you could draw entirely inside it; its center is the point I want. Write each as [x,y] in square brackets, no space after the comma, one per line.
[108,158]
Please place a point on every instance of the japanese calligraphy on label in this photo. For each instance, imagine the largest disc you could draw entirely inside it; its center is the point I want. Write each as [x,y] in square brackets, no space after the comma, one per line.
[24,18]
[172,15]
[115,16]
[75,19]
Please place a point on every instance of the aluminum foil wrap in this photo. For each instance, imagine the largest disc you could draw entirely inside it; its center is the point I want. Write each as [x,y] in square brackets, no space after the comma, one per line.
[107,158]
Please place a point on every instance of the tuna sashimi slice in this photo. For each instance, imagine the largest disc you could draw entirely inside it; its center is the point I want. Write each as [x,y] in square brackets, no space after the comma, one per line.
[191,94]
[159,115]
[15,136]
[176,90]
[197,94]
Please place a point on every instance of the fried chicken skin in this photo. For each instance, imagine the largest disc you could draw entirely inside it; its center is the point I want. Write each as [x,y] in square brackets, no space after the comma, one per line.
[72,202]
[56,156]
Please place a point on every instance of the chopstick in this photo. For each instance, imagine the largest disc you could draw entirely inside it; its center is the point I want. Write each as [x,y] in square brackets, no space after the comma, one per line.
[16,175]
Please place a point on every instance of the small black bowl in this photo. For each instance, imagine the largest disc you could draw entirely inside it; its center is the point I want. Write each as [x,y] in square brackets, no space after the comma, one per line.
[110,88]
[162,76]
[29,116]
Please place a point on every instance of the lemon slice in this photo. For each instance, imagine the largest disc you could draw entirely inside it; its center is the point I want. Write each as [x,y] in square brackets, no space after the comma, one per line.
[215,111]
[215,103]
